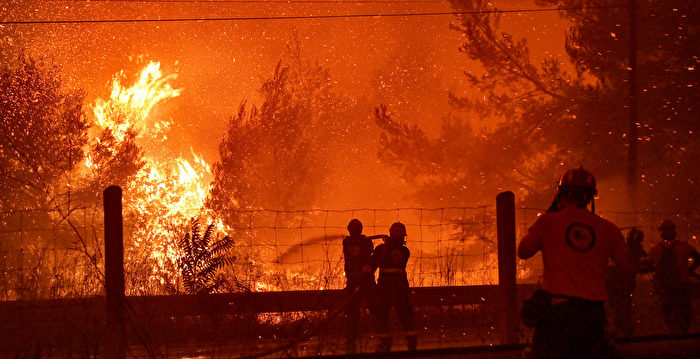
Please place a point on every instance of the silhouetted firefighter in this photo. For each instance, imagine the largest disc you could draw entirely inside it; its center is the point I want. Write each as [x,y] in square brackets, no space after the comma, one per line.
[391,258]
[669,259]
[360,285]
[576,245]
[621,286]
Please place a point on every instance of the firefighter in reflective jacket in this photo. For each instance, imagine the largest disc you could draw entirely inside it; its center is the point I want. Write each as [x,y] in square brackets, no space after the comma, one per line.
[576,245]
[392,287]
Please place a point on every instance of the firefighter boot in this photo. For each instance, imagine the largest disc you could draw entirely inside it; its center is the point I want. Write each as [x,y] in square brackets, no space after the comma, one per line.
[412,341]
[384,344]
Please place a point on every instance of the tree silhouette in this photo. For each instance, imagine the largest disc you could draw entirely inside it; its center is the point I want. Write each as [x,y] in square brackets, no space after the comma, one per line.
[583,115]
[202,257]
[450,169]
[551,115]
[272,155]
[266,153]
[42,132]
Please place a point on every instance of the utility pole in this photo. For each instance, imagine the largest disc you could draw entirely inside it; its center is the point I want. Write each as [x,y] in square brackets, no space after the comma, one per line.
[632,139]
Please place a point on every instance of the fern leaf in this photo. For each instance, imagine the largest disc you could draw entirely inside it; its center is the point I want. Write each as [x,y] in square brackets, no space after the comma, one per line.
[195,233]
[208,233]
[222,245]
[185,244]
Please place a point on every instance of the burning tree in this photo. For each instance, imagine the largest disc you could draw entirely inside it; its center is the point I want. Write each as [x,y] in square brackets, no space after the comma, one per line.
[162,190]
[114,159]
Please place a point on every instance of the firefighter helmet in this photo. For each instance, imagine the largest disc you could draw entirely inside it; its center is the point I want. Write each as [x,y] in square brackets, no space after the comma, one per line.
[667,224]
[397,230]
[579,180]
[635,236]
[355,226]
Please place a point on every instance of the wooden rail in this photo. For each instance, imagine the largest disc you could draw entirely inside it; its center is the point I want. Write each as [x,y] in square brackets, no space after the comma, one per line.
[243,303]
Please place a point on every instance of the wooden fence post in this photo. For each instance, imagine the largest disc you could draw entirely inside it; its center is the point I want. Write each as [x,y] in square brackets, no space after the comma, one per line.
[114,273]
[505,213]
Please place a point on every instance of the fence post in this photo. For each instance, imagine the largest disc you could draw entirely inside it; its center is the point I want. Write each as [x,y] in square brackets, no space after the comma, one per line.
[505,218]
[114,273]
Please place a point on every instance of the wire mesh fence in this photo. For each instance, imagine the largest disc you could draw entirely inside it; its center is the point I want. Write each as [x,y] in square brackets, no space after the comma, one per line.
[49,255]
[449,246]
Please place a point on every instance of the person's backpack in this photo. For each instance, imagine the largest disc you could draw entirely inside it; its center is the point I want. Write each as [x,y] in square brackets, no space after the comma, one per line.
[666,270]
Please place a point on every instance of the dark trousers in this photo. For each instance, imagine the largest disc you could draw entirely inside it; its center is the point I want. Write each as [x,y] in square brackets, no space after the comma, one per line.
[572,329]
[621,306]
[362,295]
[620,289]
[676,302]
[393,293]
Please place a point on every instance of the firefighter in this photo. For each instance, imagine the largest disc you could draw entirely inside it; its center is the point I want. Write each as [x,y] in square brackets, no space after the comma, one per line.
[576,245]
[360,285]
[670,260]
[391,258]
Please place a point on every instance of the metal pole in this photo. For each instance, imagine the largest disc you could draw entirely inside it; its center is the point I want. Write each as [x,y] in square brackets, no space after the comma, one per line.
[114,273]
[505,213]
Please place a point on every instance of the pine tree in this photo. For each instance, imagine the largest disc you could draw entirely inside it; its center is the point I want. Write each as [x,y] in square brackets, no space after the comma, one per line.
[551,115]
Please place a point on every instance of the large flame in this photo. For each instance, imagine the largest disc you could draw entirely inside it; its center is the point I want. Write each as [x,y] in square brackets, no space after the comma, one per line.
[135,101]
[167,191]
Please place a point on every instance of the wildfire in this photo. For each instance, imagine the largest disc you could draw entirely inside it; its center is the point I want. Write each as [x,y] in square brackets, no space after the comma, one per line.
[135,102]
[168,190]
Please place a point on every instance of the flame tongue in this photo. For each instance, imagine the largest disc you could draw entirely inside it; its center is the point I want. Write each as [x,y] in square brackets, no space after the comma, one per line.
[131,106]
[166,191]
